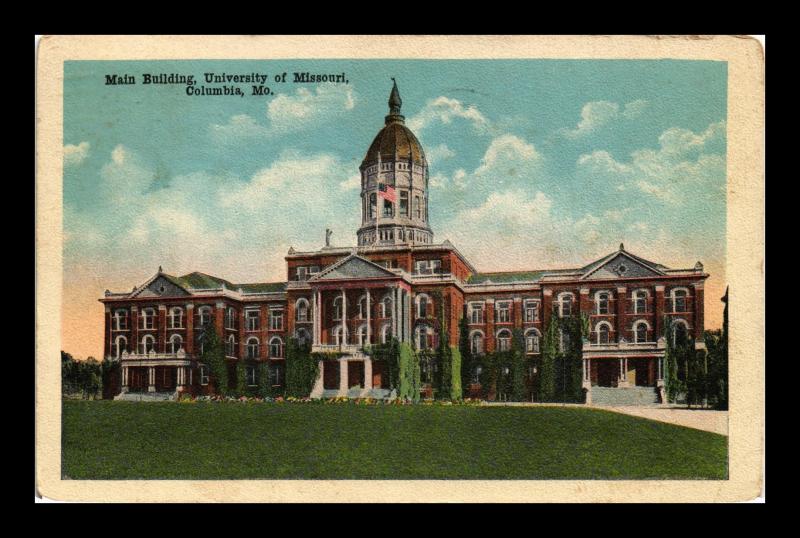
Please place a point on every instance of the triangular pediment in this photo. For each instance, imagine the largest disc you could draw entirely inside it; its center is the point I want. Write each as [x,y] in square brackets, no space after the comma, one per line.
[621,265]
[161,286]
[352,267]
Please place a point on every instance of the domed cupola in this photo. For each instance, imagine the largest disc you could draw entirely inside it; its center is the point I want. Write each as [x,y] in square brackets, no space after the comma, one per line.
[394,185]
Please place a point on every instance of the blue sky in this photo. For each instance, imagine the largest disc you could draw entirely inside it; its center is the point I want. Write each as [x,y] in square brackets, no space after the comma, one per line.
[533,163]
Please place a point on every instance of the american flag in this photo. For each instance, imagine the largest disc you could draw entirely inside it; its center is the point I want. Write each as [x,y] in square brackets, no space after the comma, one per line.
[388,192]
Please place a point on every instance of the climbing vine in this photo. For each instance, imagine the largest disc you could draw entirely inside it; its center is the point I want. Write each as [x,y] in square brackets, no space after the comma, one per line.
[302,369]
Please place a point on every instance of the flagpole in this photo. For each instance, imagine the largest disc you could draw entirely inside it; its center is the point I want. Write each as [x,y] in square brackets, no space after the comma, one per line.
[378,196]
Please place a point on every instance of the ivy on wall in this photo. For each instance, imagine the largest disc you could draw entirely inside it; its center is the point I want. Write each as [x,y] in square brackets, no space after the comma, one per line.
[214,357]
[302,369]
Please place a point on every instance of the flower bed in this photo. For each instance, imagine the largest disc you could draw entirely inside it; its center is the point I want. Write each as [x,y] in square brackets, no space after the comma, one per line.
[187,399]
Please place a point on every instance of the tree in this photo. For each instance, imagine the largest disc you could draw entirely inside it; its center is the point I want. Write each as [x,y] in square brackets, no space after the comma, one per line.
[302,369]
[547,368]
[455,387]
[213,356]
[465,350]
[518,367]
[408,373]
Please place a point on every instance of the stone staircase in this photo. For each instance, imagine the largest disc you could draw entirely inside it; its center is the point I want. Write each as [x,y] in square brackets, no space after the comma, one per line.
[646,396]
[146,396]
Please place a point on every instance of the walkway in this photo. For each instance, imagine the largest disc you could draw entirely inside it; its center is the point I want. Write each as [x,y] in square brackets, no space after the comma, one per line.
[699,419]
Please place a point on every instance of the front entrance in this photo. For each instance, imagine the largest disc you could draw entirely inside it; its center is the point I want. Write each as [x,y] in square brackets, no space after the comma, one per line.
[607,372]
[380,379]
[355,374]
[137,381]
[330,376]
[165,378]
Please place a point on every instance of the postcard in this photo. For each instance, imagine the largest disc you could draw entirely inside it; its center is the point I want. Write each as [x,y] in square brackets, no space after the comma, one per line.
[400,268]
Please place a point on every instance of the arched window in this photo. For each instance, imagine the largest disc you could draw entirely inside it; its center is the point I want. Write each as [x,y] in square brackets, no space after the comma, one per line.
[679,300]
[120,344]
[424,337]
[252,348]
[476,342]
[476,375]
[603,330]
[337,308]
[338,335]
[532,341]
[204,316]
[640,332]
[175,318]
[373,205]
[230,346]
[362,307]
[302,336]
[148,318]
[230,318]
[640,302]
[385,337]
[563,341]
[175,343]
[276,347]
[120,320]
[504,340]
[386,307]
[564,305]
[147,344]
[601,300]
[361,335]
[200,344]
[680,332]
[422,305]
[301,310]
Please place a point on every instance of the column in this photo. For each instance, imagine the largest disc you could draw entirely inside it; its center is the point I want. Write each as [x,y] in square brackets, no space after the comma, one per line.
[622,299]
[699,322]
[188,344]
[313,318]
[369,319]
[395,313]
[125,382]
[659,313]
[344,317]
[406,316]
[181,371]
[621,366]
[161,339]
[134,344]
[343,377]
[109,336]
[151,379]
[368,374]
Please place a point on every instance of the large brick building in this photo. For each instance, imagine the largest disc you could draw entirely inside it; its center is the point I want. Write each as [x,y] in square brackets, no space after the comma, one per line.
[341,299]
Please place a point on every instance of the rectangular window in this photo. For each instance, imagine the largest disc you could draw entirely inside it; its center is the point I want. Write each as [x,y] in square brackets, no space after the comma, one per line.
[531,312]
[428,267]
[403,203]
[503,312]
[251,376]
[253,320]
[476,313]
[203,375]
[417,207]
[275,320]
[387,208]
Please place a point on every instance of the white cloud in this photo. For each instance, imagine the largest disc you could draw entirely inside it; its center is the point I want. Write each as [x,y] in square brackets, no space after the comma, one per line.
[686,165]
[238,126]
[594,115]
[351,183]
[445,110]
[125,176]
[634,108]
[505,149]
[509,209]
[76,154]
[293,112]
[439,153]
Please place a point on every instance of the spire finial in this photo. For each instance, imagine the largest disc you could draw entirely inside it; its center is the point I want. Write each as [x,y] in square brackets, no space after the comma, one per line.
[621,246]
[395,104]
[160,269]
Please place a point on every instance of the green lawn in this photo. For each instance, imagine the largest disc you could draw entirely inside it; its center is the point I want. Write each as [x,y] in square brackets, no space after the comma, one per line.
[130,440]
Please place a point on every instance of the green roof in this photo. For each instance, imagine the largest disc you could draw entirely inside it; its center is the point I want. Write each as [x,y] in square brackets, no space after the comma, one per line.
[505,277]
[202,281]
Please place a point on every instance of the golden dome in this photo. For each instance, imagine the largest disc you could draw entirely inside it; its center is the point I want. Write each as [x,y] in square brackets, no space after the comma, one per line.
[395,141]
